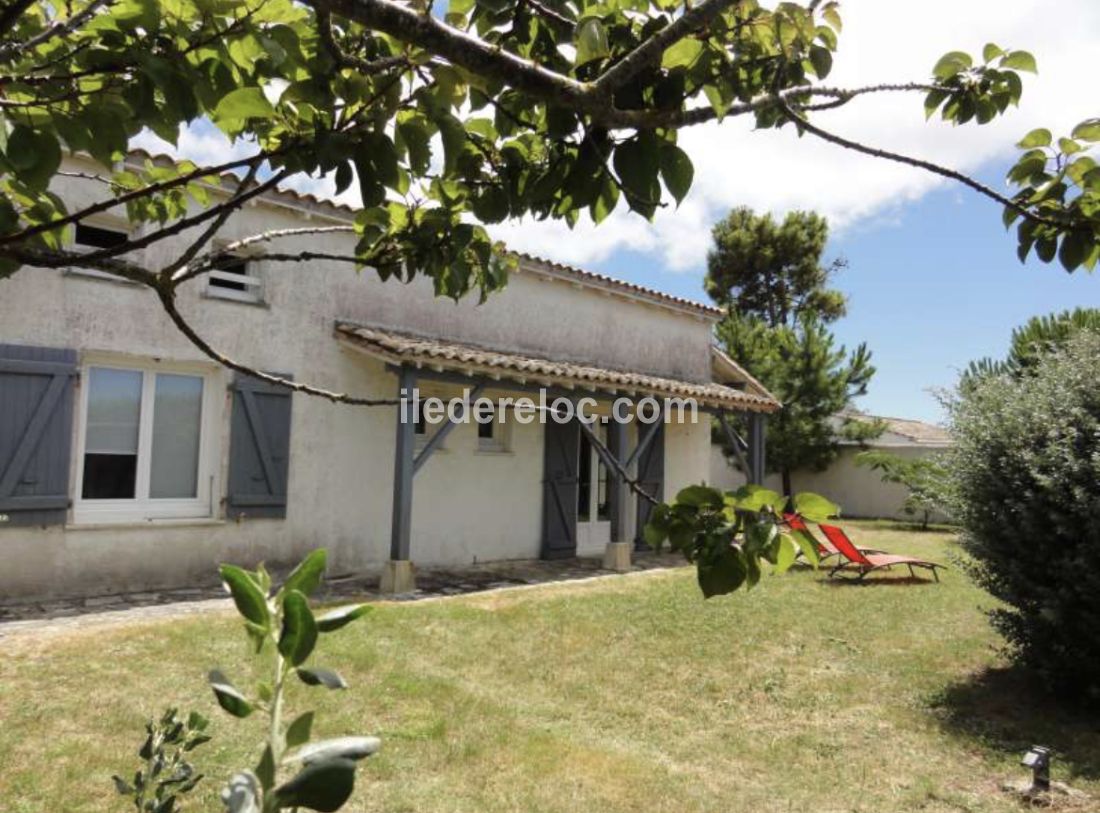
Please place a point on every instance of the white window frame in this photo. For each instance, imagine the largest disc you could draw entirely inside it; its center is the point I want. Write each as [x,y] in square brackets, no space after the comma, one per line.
[252,279]
[143,508]
[111,223]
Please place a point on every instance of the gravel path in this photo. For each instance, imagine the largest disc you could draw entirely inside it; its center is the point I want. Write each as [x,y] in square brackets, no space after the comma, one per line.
[60,616]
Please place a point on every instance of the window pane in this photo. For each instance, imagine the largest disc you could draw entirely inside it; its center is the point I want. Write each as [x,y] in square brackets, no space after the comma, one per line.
[485,431]
[177,420]
[114,411]
[111,443]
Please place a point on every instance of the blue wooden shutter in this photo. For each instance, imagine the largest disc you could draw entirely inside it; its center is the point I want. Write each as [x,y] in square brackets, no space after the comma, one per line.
[560,484]
[259,449]
[651,479]
[36,429]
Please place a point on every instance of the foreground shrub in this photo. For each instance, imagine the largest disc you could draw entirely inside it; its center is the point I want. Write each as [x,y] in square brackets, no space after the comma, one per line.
[1026,471]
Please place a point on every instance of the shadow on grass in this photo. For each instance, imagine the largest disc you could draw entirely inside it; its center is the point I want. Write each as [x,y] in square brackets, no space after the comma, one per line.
[1005,709]
[910,527]
[876,581]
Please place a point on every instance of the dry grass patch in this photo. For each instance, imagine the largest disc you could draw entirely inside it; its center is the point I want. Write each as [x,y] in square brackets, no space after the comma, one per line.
[623,694]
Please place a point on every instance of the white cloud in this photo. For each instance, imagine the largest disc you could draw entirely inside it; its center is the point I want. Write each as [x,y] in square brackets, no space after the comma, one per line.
[883,41]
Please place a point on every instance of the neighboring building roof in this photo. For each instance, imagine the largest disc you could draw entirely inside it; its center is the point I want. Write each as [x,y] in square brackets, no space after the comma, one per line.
[324,207]
[404,348]
[903,431]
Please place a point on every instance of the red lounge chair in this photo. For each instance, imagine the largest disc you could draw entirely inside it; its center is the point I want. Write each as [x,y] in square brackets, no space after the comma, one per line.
[867,562]
[825,549]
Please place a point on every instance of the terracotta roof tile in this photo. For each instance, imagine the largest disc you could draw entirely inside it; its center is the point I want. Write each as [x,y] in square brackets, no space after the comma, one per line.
[400,348]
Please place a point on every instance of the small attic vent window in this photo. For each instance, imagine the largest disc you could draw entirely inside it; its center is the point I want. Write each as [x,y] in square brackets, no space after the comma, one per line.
[92,238]
[235,278]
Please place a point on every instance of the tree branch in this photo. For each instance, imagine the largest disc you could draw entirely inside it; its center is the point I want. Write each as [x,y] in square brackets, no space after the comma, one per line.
[151,189]
[59,28]
[211,229]
[168,302]
[804,124]
[471,53]
[651,50]
[367,67]
[197,267]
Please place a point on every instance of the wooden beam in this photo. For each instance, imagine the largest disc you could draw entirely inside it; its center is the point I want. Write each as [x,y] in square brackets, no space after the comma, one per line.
[441,433]
[405,441]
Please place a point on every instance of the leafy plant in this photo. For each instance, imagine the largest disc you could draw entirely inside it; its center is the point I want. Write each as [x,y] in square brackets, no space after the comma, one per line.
[165,775]
[727,536]
[926,479]
[1024,470]
[282,627]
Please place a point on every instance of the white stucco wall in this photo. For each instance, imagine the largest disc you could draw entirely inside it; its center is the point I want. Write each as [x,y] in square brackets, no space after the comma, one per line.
[858,490]
[467,505]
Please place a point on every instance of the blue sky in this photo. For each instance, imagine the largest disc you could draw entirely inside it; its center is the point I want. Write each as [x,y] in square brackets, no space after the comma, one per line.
[930,286]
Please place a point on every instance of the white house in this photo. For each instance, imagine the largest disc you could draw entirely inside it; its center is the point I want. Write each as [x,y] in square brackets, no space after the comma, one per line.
[128,460]
[859,490]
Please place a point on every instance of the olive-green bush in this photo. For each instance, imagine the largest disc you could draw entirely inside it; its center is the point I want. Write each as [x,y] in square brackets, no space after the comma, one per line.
[1026,471]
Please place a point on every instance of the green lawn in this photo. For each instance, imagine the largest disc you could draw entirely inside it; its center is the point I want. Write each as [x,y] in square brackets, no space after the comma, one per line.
[622,694]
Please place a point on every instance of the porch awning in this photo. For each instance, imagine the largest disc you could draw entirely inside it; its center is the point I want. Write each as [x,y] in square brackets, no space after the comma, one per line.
[420,351]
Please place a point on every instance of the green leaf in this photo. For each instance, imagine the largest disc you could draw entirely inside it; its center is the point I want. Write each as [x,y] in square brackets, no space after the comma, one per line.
[321,677]
[1074,249]
[1068,146]
[250,600]
[227,695]
[822,60]
[336,619]
[265,770]
[788,552]
[297,733]
[242,104]
[1088,130]
[306,577]
[299,633]
[814,507]
[637,163]
[721,573]
[952,63]
[933,101]
[991,52]
[1039,137]
[1020,61]
[807,545]
[591,41]
[700,496]
[683,54]
[757,498]
[35,156]
[122,786]
[322,786]
[353,748]
[676,171]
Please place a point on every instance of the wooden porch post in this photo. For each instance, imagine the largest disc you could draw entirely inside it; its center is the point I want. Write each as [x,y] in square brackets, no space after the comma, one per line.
[757,434]
[398,574]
